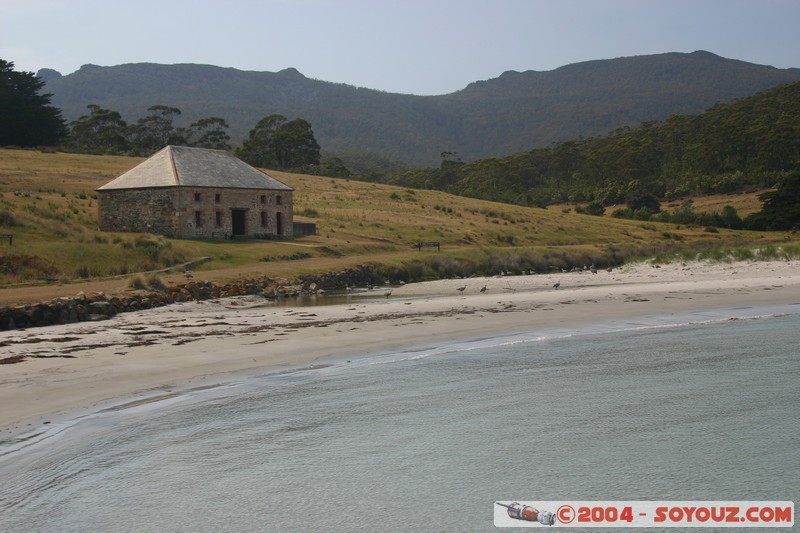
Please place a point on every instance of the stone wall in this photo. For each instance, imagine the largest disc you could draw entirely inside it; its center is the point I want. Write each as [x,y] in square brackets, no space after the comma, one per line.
[100,306]
[218,208]
[197,213]
[301,229]
[138,210]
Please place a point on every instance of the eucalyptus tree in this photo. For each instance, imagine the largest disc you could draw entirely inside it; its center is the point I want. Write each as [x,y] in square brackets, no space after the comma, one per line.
[102,131]
[209,133]
[277,143]
[155,131]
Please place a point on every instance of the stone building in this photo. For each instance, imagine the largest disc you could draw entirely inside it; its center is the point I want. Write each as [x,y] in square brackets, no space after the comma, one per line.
[195,193]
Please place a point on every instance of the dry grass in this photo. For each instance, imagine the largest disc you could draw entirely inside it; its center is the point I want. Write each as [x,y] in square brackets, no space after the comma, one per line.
[744,203]
[47,201]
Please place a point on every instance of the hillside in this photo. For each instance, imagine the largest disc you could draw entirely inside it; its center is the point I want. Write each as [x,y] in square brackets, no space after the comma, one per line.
[746,144]
[516,111]
[47,202]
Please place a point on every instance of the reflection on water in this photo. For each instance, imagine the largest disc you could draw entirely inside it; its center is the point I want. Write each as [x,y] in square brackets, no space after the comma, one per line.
[330,297]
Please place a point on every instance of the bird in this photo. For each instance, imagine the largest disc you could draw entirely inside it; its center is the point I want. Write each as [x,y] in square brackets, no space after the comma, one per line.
[462,289]
[388,293]
[187,275]
[557,284]
[609,269]
[593,269]
[483,289]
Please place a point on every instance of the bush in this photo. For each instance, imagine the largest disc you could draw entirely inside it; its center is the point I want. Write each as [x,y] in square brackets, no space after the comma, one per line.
[154,282]
[7,219]
[623,212]
[594,208]
[137,282]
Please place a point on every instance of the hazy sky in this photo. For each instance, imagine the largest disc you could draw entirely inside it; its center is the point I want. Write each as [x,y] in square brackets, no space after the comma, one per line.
[406,46]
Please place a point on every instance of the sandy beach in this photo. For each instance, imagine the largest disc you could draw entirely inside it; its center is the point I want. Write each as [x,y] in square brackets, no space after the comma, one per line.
[144,354]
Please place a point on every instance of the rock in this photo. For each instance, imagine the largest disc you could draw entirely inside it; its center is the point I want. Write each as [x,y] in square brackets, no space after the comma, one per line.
[101,308]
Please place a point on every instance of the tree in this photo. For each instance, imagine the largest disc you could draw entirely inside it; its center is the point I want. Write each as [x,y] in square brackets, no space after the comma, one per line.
[640,198]
[257,149]
[594,208]
[209,133]
[155,131]
[730,218]
[276,143]
[295,145]
[102,131]
[26,117]
[781,209]
[334,167]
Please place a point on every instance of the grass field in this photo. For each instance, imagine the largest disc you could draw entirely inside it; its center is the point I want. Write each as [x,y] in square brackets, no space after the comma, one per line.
[48,203]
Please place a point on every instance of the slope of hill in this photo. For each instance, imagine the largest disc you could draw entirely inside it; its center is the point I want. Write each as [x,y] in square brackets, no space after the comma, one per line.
[47,202]
[745,144]
[514,112]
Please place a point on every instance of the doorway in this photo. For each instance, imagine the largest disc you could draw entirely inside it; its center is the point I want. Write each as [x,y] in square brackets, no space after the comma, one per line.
[238,222]
[279,223]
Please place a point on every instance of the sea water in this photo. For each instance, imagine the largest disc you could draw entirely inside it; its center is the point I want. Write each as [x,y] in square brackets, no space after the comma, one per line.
[704,408]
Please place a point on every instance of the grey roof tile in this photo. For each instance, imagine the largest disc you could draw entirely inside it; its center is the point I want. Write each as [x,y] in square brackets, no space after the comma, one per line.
[194,167]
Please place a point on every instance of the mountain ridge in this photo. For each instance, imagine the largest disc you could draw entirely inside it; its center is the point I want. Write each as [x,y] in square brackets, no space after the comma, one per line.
[514,112]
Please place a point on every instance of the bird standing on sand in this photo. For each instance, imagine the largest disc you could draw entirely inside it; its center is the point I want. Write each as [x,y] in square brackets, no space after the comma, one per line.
[557,284]
[388,293]
[483,289]
[462,289]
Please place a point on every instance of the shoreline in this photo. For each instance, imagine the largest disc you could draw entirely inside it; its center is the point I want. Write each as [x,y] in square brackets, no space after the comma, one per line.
[77,366]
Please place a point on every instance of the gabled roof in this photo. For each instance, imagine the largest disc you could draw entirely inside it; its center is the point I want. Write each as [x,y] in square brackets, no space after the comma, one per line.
[181,166]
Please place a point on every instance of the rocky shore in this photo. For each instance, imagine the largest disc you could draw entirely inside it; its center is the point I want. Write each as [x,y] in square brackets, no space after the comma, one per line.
[94,306]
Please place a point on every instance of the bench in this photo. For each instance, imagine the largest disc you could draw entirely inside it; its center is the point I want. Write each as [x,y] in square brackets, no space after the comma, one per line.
[9,237]
[435,244]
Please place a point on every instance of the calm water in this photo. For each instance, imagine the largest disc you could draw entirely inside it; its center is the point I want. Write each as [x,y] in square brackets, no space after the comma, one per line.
[427,440]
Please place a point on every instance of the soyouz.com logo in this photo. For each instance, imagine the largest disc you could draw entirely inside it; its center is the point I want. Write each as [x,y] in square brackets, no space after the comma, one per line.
[560,513]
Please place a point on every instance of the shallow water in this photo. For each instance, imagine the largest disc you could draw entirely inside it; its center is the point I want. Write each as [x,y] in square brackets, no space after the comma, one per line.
[428,439]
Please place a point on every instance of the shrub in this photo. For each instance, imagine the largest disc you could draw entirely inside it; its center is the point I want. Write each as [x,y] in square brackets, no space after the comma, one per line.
[137,282]
[7,219]
[154,282]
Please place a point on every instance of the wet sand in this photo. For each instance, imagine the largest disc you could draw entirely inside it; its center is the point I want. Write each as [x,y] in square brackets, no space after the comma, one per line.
[62,368]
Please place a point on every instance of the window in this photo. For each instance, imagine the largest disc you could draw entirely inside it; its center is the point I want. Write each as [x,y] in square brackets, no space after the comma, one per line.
[217,198]
[263,199]
[264,219]
[197,197]
[218,219]
[279,199]
[198,218]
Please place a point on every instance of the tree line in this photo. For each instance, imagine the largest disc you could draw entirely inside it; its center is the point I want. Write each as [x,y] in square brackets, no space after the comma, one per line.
[30,120]
[751,143]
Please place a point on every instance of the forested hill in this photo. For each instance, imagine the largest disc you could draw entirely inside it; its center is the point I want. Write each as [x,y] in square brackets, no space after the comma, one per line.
[516,111]
[752,142]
